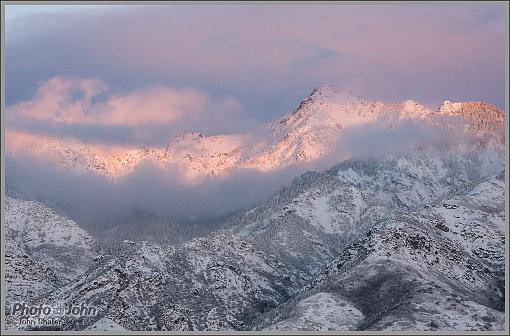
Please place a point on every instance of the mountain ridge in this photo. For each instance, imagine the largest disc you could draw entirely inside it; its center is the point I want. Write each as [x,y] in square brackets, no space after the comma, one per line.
[430,224]
[408,240]
[305,135]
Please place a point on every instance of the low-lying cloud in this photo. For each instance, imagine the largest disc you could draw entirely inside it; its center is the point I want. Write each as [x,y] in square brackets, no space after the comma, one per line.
[165,192]
[89,110]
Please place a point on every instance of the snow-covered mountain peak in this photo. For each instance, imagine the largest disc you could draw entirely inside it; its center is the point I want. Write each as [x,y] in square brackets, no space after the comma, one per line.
[338,108]
[310,132]
[449,108]
[480,116]
[413,109]
[331,93]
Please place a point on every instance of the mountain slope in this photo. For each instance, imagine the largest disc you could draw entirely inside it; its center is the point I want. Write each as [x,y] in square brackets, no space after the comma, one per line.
[213,283]
[314,218]
[379,240]
[436,268]
[316,125]
[43,249]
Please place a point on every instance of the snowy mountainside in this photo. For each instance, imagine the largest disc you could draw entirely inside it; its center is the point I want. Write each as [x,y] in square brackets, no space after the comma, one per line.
[439,267]
[192,154]
[24,277]
[105,324]
[316,125]
[213,283]
[319,214]
[408,242]
[43,248]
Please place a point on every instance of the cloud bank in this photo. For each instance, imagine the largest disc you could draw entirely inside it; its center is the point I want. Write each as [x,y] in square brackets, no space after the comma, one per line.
[89,110]
[164,191]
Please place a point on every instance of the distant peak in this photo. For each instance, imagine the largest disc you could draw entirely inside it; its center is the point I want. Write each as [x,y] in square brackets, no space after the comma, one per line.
[469,108]
[322,89]
[330,91]
[480,115]
[448,107]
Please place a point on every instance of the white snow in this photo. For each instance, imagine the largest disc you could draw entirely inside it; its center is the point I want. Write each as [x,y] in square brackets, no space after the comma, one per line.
[321,312]
[105,324]
[317,208]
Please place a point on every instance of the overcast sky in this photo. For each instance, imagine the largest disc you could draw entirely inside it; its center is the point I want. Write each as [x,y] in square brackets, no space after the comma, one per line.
[226,68]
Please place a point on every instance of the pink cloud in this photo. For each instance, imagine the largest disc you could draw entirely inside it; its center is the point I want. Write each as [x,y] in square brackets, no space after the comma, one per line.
[70,100]
[386,52]
[54,101]
[151,105]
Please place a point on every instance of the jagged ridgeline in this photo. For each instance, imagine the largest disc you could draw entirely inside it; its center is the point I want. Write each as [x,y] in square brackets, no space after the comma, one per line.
[310,132]
[407,241]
